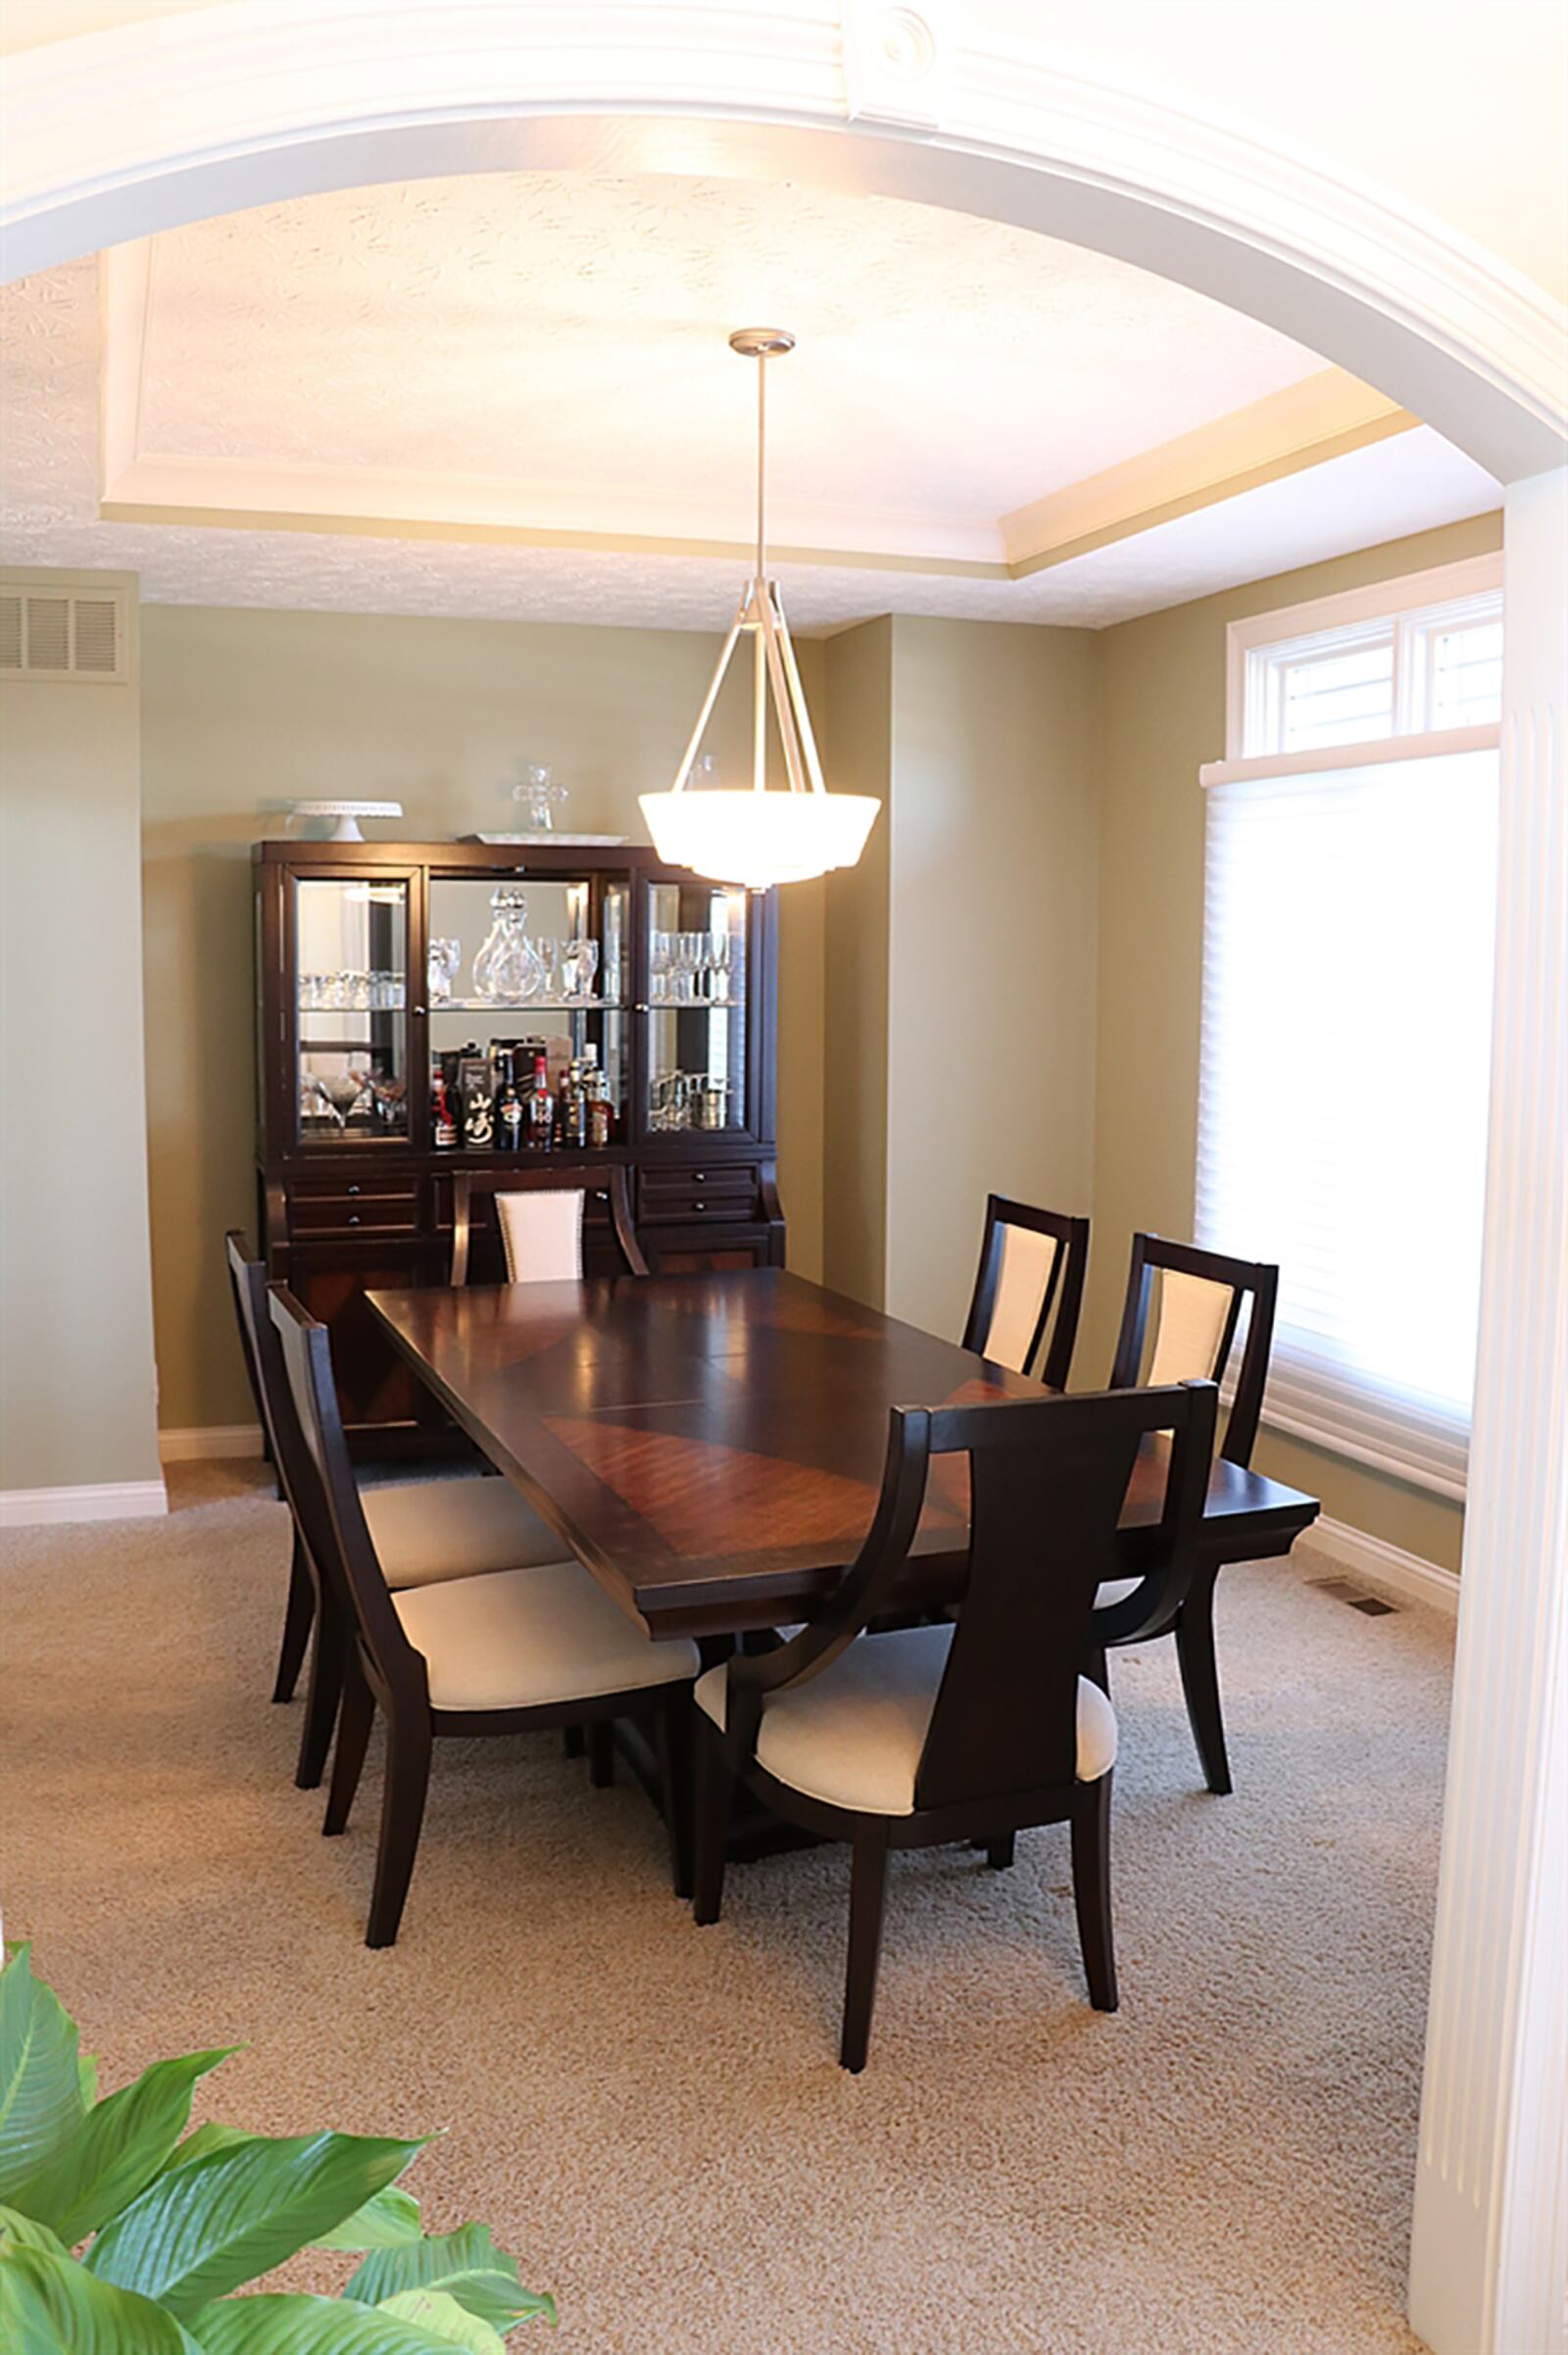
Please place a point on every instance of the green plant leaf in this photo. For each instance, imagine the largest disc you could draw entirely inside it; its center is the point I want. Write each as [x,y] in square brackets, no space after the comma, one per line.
[274,2323]
[199,2231]
[88,2077]
[40,2091]
[433,2310]
[383,2223]
[115,2150]
[466,2265]
[209,2138]
[25,2232]
[52,2306]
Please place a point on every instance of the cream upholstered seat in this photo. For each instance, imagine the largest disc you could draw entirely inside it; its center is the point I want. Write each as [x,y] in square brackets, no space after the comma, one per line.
[853,1735]
[1189,1334]
[532,1639]
[1115,1589]
[427,1531]
[541,1234]
[1023,1282]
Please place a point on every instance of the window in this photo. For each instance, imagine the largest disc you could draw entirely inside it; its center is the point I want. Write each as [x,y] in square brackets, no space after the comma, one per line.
[1349,924]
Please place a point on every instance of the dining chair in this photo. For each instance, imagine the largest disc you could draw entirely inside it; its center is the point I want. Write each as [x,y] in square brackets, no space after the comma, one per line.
[540,1215]
[957,1732]
[424,1530]
[1029,1261]
[1200,1298]
[501,1652]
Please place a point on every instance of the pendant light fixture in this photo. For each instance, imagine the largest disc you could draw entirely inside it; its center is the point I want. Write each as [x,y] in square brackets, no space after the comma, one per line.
[756,837]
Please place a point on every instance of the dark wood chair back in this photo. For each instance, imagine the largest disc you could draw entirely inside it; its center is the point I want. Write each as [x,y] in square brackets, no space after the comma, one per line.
[344,1548]
[1029,1261]
[1047,1481]
[263,1358]
[605,1178]
[1204,1350]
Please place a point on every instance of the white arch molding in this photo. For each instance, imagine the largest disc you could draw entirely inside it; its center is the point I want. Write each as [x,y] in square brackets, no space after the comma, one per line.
[122,134]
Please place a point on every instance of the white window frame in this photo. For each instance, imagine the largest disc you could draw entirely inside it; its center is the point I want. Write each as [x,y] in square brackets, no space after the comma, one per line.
[1408,607]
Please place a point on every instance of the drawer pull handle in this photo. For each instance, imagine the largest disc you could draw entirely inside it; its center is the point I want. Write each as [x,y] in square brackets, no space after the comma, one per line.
[699,1205]
[354,1188]
[354,1218]
[700,1177]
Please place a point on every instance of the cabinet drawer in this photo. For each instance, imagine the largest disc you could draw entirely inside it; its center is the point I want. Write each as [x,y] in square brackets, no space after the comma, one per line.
[370,1206]
[726,1190]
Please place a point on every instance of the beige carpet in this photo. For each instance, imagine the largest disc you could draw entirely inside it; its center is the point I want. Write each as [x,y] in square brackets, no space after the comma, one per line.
[652,2115]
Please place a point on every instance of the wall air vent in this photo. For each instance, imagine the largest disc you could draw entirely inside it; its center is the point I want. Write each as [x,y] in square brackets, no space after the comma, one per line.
[67,635]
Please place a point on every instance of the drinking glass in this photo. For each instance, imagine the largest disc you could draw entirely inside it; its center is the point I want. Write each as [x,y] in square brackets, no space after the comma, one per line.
[444,959]
[579,964]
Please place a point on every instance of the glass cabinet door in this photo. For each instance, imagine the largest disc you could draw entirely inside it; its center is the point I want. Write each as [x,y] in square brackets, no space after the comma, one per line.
[696,1012]
[350,957]
[524,969]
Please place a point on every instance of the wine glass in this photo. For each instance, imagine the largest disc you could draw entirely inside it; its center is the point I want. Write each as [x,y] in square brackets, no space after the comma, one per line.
[579,965]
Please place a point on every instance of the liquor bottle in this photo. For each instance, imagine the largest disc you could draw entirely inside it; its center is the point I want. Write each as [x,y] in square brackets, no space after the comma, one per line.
[541,1108]
[575,1108]
[509,1105]
[446,1131]
[601,1113]
[479,1105]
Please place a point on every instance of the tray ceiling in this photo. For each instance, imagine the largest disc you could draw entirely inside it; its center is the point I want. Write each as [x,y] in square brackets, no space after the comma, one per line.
[511,395]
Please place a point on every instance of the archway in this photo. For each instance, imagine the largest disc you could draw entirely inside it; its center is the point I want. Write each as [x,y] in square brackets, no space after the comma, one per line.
[127,132]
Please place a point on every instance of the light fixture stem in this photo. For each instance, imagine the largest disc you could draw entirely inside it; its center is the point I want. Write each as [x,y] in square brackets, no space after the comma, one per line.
[762,459]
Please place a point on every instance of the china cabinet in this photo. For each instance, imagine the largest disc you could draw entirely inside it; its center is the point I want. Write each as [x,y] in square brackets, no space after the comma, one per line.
[404,988]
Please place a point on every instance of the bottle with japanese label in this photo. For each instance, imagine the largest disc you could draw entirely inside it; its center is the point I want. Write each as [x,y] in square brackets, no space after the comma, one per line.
[541,1108]
[478,1102]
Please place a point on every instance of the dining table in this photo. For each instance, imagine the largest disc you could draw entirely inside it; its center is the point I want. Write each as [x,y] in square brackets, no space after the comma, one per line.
[711,1445]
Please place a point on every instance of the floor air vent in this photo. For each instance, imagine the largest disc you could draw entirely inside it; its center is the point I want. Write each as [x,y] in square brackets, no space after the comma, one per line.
[1372,1605]
[61,634]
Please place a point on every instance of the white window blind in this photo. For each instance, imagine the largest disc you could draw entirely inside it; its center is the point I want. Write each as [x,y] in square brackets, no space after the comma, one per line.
[1348,975]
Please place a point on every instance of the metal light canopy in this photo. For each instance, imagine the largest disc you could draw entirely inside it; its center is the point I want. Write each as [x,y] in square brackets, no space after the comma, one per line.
[760,838]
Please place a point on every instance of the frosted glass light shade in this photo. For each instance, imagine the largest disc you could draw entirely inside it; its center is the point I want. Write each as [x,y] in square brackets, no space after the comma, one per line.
[759,839]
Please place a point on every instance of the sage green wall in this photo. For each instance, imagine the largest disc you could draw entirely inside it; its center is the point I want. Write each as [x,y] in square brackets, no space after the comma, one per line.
[244,711]
[991,1059]
[859,754]
[76,1380]
[1163,714]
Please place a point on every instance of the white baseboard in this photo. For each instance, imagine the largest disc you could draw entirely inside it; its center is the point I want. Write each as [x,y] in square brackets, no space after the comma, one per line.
[210,1440]
[104,1500]
[1382,1567]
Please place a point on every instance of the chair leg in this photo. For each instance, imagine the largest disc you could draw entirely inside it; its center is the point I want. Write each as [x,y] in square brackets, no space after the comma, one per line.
[672,1734]
[999,1852]
[408,1778]
[602,1754]
[576,1741]
[297,1614]
[715,1802]
[869,1876]
[1091,1889]
[353,1733]
[1194,1652]
[1097,1669]
[320,1700]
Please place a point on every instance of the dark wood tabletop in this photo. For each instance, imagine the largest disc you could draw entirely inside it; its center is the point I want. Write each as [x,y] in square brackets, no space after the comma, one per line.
[712,1446]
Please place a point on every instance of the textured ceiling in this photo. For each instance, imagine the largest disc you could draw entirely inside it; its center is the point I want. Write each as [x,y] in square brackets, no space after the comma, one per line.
[423,329]
[568,333]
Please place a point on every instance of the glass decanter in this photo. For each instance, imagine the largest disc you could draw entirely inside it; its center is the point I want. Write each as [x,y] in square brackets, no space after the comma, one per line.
[541,795]
[508,969]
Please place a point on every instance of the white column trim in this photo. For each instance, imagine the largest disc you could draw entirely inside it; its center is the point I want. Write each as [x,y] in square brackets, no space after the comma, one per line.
[1488,2270]
[120,133]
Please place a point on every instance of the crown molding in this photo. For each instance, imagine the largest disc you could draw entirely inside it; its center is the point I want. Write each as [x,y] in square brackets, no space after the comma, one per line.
[118,133]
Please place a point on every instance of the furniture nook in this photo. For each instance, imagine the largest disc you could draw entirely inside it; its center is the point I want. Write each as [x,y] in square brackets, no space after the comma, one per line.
[410,996]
